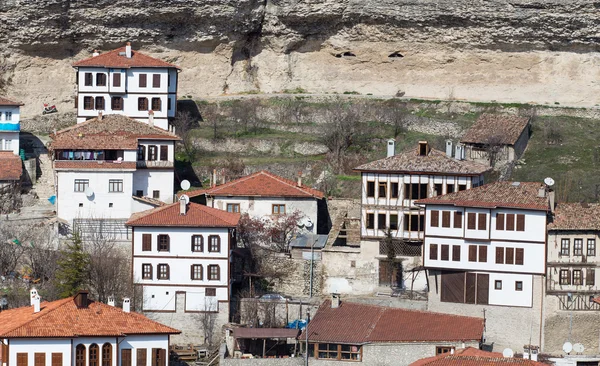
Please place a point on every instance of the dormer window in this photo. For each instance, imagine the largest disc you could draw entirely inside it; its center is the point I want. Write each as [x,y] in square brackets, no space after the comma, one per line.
[423,148]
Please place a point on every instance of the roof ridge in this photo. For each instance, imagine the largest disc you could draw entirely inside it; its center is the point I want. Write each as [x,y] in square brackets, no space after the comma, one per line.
[130,313]
[374,324]
[287,181]
[66,300]
[410,310]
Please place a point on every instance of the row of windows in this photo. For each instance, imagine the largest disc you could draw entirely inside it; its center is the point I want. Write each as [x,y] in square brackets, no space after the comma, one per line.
[163,272]
[435,219]
[518,285]
[151,152]
[575,277]
[101,79]
[7,116]
[412,191]
[478,221]
[116,103]
[39,359]
[197,244]
[411,222]
[477,253]
[158,357]
[565,247]
[114,185]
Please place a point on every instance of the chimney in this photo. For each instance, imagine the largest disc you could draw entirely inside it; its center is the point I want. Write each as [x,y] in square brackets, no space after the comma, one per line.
[182,206]
[81,299]
[534,353]
[300,179]
[542,191]
[391,147]
[151,117]
[551,199]
[100,116]
[126,305]
[128,50]
[96,53]
[32,295]
[460,152]
[423,148]
[335,301]
[111,301]
[449,148]
[36,304]
[214,178]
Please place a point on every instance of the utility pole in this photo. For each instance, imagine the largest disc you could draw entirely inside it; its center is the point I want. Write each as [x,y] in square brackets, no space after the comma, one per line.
[312,259]
[306,333]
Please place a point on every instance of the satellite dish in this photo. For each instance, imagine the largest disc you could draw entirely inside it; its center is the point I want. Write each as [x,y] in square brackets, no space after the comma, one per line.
[578,347]
[508,353]
[567,347]
[185,198]
[549,182]
[89,192]
[185,184]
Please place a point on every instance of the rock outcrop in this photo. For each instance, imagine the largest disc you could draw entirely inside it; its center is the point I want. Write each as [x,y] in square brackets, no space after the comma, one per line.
[520,50]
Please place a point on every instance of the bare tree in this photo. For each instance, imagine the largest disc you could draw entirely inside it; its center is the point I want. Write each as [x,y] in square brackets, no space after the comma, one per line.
[11,250]
[216,118]
[395,113]
[208,319]
[281,230]
[494,147]
[184,124]
[245,112]
[289,110]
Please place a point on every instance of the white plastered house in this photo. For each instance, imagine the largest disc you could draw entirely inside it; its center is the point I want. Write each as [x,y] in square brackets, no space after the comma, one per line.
[9,125]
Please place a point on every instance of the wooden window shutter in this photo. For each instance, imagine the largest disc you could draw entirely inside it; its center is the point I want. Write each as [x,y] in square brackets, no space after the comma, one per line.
[482,222]
[590,277]
[500,221]
[472,253]
[39,359]
[146,242]
[433,252]
[435,218]
[510,222]
[57,359]
[470,288]
[445,252]
[445,218]
[520,222]
[162,357]
[457,219]
[218,273]
[452,287]
[471,219]
[519,256]
[499,255]
[483,288]
[156,81]
[510,256]
[483,253]
[141,357]
[22,359]
[168,271]
[164,152]
[456,253]
[117,79]
[142,81]
[125,357]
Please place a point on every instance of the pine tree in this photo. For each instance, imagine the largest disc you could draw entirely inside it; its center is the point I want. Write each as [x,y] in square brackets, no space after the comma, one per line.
[73,268]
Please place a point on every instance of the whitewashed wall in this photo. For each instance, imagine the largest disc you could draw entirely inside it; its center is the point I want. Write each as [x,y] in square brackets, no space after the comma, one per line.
[47,346]
[508,295]
[149,180]
[148,342]
[9,141]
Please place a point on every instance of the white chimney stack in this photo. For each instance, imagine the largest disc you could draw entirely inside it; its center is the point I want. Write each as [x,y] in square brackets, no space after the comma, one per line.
[128,50]
[111,301]
[335,301]
[100,116]
[299,179]
[449,148]
[460,152]
[182,206]
[96,53]
[151,117]
[391,148]
[126,305]
[32,295]
[36,304]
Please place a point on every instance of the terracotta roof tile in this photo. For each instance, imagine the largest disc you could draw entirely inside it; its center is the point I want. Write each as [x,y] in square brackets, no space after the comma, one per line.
[149,200]
[62,318]
[94,164]
[434,162]
[473,357]
[506,129]
[260,184]
[6,101]
[498,194]
[196,216]
[114,60]
[113,131]
[360,323]
[576,216]
[11,167]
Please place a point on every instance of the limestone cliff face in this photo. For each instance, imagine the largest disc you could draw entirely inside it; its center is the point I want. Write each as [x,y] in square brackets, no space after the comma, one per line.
[517,50]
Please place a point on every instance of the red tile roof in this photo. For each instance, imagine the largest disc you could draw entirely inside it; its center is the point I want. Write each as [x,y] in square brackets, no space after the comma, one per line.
[498,194]
[196,216]
[114,60]
[576,216]
[436,162]
[473,357]
[149,200]
[260,184]
[62,318]
[94,164]
[11,167]
[503,129]
[112,132]
[354,323]
[10,102]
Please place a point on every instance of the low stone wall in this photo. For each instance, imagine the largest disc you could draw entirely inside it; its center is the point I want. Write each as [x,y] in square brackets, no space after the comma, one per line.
[291,361]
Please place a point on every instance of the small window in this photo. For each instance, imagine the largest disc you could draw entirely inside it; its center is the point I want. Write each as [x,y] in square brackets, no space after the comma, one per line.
[141,153]
[577,277]
[214,244]
[163,271]
[106,354]
[80,355]
[590,277]
[141,357]
[81,185]
[152,153]
[352,264]
[100,79]
[394,190]
[509,256]
[156,104]
[94,355]
[520,222]
[458,219]
[565,249]
[169,103]
[142,81]
[445,252]
[449,188]
[139,193]
[156,80]
[110,205]
[210,291]
[445,218]
[100,103]
[382,190]
[115,185]
[471,220]
[370,224]
[518,285]
[88,103]
[142,104]
[156,194]
[88,79]
[164,152]
[80,204]
[519,256]
[578,247]
[565,277]
[440,350]
[462,187]
[393,221]
[499,255]
[510,222]
[438,188]
[197,243]
[472,253]
[117,79]
[57,359]
[456,253]
[433,252]
[498,285]
[196,272]
[434,218]
[482,221]
[214,272]
[381,221]
[370,189]
[146,271]
[125,357]
[499,221]
[482,253]
[116,103]
[233,207]
[278,209]
[8,116]
[591,247]
[39,359]
[146,242]
[163,243]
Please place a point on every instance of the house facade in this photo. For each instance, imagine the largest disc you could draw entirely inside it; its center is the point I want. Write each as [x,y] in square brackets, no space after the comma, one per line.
[390,188]
[10,125]
[110,167]
[181,263]
[126,82]
[485,248]
[45,334]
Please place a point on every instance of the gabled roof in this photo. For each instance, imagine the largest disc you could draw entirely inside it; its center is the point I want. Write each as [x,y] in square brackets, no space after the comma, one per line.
[502,129]
[113,59]
[576,216]
[63,319]
[196,216]
[523,195]
[436,162]
[11,167]
[113,131]
[9,102]
[353,323]
[473,357]
[260,184]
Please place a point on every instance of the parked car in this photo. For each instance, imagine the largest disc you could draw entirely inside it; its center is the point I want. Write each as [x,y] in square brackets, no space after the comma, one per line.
[272,297]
